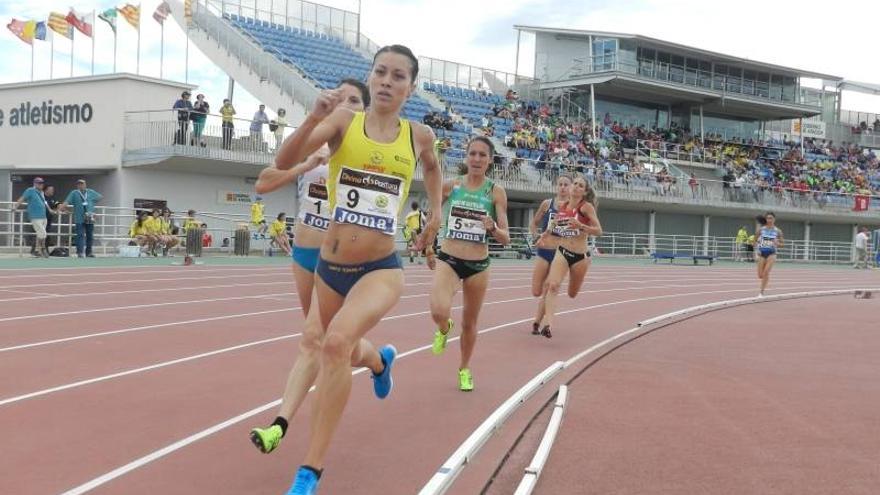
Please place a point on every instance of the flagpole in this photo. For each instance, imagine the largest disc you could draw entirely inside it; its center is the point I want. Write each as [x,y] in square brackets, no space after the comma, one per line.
[72,38]
[161,49]
[51,55]
[94,32]
[138,66]
[115,36]
[186,60]
[32,61]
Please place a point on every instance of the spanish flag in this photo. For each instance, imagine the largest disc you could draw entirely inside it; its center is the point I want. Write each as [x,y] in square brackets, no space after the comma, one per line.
[132,14]
[58,23]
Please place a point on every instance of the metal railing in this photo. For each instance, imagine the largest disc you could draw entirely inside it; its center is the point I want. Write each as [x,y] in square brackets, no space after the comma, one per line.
[266,62]
[112,226]
[448,73]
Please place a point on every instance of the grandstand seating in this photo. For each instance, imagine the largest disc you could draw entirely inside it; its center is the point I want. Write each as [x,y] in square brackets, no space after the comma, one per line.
[323,59]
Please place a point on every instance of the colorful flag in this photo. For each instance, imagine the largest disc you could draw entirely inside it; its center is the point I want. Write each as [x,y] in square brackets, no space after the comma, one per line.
[162,12]
[40,31]
[58,23]
[109,16]
[23,29]
[188,12]
[132,14]
[79,22]
[861,202]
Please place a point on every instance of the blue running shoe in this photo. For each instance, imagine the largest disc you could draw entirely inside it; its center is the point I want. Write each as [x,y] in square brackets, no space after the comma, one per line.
[305,483]
[383,383]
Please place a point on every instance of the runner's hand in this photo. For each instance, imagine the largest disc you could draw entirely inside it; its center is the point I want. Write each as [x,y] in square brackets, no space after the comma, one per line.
[431,258]
[317,159]
[327,101]
[488,223]
[429,233]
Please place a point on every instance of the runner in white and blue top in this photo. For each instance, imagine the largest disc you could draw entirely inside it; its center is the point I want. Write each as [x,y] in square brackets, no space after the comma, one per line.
[768,241]
[542,219]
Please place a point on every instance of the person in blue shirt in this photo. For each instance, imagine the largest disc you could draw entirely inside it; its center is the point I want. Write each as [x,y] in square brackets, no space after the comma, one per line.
[83,200]
[36,210]
[184,109]
[256,127]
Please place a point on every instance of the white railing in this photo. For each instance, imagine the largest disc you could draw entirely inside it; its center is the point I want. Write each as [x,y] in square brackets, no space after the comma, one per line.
[112,226]
[448,73]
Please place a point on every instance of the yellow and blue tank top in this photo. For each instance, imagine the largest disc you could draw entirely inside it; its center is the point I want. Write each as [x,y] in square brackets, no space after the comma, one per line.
[368,182]
[464,211]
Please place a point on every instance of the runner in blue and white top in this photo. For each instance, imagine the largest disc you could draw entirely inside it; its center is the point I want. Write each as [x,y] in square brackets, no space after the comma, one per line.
[767,243]
[543,217]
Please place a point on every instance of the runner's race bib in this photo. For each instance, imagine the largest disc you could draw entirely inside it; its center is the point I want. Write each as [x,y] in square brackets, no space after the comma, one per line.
[561,229]
[314,207]
[767,244]
[368,199]
[466,224]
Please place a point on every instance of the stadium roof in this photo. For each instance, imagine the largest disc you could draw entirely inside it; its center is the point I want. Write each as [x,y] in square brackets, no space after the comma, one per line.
[714,56]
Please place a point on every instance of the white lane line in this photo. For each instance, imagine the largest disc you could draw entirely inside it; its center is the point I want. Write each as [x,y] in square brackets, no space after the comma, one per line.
[169,449]
[148,280]
[213,353]
[409,296]
[143,291]
[178,271]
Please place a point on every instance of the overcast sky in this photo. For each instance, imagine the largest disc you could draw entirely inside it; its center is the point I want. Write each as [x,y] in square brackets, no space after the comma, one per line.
[841,38]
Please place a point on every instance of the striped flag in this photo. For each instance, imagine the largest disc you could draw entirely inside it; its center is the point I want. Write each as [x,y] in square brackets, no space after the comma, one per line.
[187,12]
[132,14]
[162,12]
[58,23]
[109,16]
[24,30]
[79,22]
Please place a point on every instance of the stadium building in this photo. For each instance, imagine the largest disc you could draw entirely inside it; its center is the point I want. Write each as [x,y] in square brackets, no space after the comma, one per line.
[119,132]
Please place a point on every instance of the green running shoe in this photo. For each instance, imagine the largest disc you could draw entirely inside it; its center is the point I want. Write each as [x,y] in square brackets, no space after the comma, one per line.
[440,339]
[266,439]
[465,380]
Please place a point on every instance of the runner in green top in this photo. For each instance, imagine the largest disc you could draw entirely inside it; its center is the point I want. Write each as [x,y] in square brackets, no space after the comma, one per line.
[474,208]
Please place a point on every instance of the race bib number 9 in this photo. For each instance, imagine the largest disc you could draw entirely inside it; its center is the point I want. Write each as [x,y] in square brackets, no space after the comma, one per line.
[368,199]
[465,224]
[315,207]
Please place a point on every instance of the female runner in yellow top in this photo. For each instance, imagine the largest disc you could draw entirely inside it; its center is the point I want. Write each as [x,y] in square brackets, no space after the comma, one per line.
[309,232]
[359,274]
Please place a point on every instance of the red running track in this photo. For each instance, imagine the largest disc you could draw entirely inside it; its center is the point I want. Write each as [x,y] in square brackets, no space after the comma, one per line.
[115,375]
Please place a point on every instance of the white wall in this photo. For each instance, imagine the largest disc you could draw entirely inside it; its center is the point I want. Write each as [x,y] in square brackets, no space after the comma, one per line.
[76,145]
[554,58]
[185,191]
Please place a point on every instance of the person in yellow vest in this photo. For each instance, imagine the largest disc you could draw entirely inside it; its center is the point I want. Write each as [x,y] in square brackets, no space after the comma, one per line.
[227,111]
[153,226]
[139,233]
[739,247]
[750,248]
[278,233]
[412,229]
[167,235]
[258,218]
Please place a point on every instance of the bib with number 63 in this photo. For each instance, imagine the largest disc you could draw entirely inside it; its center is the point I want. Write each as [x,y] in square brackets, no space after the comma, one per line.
[368,199]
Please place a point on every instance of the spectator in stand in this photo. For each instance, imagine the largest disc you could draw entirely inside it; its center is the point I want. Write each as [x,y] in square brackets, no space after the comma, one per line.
[153,225]
[37,210]
[83,200]
[184,108]
[200,112]
[227,112]
[278,233]
[256,128]
[861,245]
[695,186]
[207,238]
[278,125]
[258,217]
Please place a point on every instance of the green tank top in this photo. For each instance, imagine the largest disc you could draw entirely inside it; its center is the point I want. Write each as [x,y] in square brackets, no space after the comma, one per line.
[464,210]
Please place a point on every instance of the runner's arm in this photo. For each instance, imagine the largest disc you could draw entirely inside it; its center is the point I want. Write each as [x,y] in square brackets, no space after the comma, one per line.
[500,230]
[433,179]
